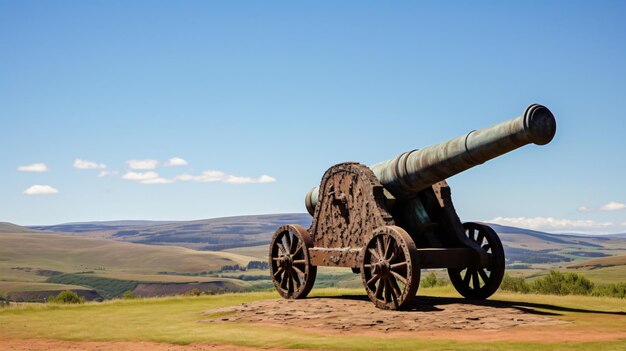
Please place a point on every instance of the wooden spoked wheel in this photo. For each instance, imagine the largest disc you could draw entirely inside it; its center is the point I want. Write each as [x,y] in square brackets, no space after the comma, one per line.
[480,283]
[290,266]
[389,268]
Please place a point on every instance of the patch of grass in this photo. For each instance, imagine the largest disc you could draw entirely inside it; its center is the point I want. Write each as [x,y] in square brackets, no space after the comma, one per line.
[176,320]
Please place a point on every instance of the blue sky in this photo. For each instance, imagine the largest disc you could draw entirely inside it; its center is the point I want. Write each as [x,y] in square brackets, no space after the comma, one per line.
[260,98]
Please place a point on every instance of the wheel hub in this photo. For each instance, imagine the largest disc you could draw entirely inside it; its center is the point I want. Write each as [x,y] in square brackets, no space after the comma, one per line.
[382,268]
[285,261]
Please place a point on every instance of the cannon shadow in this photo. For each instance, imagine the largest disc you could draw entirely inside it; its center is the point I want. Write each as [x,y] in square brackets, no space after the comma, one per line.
[432,303]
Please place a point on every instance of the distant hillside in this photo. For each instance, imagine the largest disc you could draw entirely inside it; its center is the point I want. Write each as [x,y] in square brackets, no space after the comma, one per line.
[207,234]
[26,256]
[602,262]
[522,246]
[14,228]
[81,227]
[525,247]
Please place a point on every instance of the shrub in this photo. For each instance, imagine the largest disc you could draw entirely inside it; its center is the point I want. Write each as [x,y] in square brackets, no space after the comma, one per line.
[557,283]
[194,292]
[66,297]
[431,281]
[4,301]
[613,290]
[515,284]
[128,295]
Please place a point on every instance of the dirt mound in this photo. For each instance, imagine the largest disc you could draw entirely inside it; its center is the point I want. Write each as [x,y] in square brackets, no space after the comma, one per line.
[357,313]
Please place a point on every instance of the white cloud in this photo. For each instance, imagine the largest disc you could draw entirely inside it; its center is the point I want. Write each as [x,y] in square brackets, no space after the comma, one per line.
[219,176]
[142,164]
[175,161]
[157,180]
[247,180]
[83,164]
[151,177]
[140,176]
[612,206]
[551,224]
[107,173]
[40,190]
[35,167]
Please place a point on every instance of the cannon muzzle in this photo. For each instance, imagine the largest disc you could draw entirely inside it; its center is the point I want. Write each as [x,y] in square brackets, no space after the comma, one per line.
[407,174]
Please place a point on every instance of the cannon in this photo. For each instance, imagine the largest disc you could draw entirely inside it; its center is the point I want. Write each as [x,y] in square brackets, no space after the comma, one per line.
[390,220]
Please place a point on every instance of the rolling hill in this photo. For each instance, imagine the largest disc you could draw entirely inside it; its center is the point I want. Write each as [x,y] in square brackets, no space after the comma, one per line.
[522,246]
[6,227]
[34,256]
[153,257]
[207,234]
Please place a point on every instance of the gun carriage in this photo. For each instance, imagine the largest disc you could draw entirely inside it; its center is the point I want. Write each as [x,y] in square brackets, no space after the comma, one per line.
[390,220]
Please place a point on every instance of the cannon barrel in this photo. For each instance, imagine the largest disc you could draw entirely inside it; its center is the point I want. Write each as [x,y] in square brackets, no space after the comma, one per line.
[407,174]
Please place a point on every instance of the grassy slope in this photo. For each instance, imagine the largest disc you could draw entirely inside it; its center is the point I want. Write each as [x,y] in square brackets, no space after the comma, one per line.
[162,278]
[6,227]
[74,254]
[259,252]
[7,287]
[176,320]
[602,262]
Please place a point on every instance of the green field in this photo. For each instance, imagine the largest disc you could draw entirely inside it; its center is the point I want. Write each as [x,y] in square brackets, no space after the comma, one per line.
[24,254]
[176,320]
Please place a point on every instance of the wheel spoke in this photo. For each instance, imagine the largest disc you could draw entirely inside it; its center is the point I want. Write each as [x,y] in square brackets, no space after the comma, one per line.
[475,280]
[295,278]
[468,276]
[298,271]
[483,275]
[291,283]
[387,290]
[379,289]
[394,287]
[287,242]
[398,265]
[278,271]
[471,233]
[387,246]
[298,249]
[294,245]
[281,247]
[393,256]
[299,261]
[373,280]
[374,253]
[379,247]
[399,277]
[283,280]
[481,237]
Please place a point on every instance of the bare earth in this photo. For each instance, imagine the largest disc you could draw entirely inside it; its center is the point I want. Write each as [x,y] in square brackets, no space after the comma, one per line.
[60,345]
[362,315]
[427,318]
